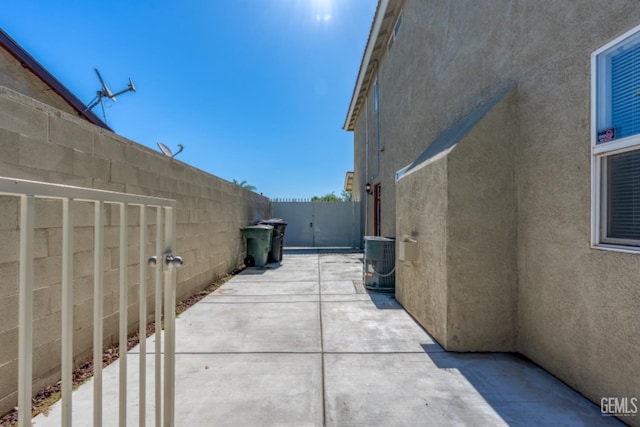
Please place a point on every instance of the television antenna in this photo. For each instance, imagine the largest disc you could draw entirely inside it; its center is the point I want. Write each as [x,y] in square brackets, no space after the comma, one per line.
[167,151]
[105,92]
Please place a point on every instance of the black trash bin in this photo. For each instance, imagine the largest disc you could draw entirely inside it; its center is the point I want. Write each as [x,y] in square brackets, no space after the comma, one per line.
[279,225]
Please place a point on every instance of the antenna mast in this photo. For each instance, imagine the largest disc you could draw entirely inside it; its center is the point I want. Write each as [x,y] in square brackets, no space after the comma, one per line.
[105,92]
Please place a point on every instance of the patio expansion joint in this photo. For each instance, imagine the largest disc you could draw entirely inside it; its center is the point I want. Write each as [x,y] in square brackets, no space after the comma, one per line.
[187,353]
[260,302]
[381,352]
[321,352]
[279,281]
[324,394]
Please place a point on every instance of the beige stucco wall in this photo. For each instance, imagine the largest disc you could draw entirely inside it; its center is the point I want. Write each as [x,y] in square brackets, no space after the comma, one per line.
[465,226]
[41,143]
[421,286]
[481,251]
[577,311]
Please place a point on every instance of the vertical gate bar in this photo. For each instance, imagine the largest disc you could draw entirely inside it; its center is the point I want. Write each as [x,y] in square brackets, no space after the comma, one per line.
[169,320]
[142,318]
[98,310]
[124,289]
[25,339]
[67,310]
[158,315]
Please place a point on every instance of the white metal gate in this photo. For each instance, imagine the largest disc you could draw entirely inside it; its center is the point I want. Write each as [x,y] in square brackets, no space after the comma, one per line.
[320,224]
[165,285]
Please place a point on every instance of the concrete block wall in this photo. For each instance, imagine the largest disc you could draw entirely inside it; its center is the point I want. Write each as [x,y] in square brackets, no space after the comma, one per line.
[42,143]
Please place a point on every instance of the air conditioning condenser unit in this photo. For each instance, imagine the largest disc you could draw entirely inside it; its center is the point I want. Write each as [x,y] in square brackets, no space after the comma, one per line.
[379,263]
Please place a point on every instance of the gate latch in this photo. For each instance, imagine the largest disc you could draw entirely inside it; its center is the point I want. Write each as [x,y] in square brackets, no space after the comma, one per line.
[170,260]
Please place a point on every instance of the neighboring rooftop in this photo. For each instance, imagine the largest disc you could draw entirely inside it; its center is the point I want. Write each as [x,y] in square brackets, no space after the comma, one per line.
[348,182]
[29,62]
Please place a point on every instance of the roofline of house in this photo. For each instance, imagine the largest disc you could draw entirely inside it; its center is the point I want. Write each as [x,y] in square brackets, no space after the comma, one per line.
[366,58]
[29,62]
[348,181]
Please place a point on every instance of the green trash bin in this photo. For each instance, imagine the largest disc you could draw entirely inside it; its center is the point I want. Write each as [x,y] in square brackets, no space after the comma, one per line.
[258,244]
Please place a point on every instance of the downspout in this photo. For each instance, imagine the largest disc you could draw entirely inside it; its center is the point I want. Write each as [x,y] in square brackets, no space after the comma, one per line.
[378,124]
[366,165]
[377,114]
[372,178]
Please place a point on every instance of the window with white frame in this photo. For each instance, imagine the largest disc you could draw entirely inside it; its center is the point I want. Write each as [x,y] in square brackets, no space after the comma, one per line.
[616,143]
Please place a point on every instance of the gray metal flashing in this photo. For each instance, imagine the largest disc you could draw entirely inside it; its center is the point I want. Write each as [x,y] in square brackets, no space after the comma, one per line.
[453,135]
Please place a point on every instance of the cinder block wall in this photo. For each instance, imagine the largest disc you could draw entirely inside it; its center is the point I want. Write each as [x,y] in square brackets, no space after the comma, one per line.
[39,142]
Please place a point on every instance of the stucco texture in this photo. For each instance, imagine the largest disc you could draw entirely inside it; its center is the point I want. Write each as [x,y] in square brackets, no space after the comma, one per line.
[466,231]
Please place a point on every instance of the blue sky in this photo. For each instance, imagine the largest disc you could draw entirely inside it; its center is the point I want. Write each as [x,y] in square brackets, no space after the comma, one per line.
[255,90]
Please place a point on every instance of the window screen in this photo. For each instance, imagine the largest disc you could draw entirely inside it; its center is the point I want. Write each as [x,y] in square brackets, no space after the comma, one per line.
[623,204]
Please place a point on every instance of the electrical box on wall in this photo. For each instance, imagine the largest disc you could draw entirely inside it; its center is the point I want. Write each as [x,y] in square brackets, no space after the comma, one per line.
[408,250]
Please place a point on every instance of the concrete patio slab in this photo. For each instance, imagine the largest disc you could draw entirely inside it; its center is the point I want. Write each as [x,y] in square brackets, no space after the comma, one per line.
[309,347]
[341,267]
[82,398]
[332,272]
[249,390]
[214,390]
[239,326]
[297,262]
[449,389]
[236,287]
[371,326]
[333,287]
[278,275]
[345,297]
[244,299]
[342,258]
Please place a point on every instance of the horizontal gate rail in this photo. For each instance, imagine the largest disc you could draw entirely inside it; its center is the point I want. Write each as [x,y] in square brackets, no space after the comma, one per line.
[11,186]
[28,191]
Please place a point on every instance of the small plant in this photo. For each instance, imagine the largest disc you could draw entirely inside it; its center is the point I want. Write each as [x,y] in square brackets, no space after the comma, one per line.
[245,184]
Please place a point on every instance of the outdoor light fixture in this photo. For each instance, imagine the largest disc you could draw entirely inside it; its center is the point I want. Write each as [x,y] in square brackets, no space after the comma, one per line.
[367,188]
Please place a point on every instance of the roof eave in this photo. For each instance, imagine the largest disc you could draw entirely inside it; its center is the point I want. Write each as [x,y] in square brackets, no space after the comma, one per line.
[348,181]
[349,124]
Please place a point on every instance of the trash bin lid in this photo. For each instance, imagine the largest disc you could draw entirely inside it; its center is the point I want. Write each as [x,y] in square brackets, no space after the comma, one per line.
[273,221]
[258,227]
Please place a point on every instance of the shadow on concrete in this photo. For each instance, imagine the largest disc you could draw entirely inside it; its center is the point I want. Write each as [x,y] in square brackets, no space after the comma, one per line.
[256,271]
[384,301]
[252,271]
[432,347]
[518,390]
